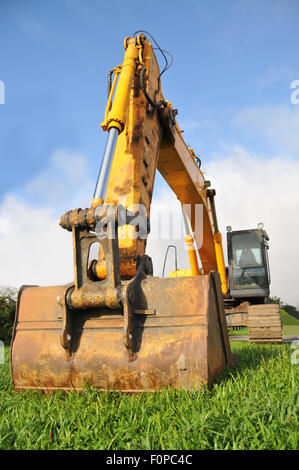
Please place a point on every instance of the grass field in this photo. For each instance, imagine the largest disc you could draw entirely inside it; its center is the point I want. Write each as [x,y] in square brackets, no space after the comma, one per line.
[292,330]
[253,406]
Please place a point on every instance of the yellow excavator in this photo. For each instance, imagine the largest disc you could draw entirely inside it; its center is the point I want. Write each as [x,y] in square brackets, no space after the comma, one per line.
[247,303]
[117,326]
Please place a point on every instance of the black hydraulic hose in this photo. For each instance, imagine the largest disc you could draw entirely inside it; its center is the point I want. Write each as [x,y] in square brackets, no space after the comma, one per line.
[163,52]
[161,104]
[109,78]
[109,81]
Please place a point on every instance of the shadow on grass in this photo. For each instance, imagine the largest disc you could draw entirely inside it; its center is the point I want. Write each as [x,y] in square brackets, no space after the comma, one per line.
[250,357]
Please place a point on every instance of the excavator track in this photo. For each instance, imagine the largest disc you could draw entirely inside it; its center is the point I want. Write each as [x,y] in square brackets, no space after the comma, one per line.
[264,323]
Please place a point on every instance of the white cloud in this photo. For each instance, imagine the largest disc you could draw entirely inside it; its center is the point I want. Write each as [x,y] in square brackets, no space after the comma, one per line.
[276,74]
[34,249]
[279,124]
[251,189]
[64,180]
[166,229]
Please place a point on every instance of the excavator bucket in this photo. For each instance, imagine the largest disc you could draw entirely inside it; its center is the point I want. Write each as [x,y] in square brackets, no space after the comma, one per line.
[177,330]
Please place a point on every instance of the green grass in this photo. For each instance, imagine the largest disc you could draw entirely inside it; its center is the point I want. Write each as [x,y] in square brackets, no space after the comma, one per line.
[253,406]
[241,332]
[287,319]
[292,330]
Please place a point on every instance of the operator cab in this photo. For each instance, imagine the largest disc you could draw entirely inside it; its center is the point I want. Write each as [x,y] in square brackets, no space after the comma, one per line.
[248,269]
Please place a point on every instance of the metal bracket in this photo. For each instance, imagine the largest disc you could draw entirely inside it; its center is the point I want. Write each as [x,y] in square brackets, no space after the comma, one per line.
[86,293]
[132,299]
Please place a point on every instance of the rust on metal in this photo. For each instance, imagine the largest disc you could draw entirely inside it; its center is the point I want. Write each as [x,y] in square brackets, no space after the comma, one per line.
[236,316]
[184,344]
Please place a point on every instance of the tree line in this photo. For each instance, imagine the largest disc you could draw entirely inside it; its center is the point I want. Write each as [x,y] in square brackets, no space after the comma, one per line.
[8,296]
[290,309]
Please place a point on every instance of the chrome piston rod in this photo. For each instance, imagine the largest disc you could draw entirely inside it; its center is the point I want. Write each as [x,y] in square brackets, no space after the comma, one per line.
[102,181]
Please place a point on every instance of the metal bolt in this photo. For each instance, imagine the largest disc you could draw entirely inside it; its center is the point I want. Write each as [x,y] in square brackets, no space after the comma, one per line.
[132,296]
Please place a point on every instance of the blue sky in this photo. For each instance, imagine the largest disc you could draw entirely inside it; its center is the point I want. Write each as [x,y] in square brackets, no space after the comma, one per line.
[234,62]
[228,56]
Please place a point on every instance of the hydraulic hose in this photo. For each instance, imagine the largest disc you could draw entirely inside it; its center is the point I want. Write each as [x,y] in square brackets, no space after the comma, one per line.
[161,104]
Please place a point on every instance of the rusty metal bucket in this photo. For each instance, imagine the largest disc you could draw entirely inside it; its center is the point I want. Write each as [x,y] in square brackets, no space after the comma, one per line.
[178,338]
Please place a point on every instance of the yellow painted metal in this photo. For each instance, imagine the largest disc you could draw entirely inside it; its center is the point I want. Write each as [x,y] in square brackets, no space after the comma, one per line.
[132,174]
[140,47]
[220,262]
[96,202]
[116,72]
[117,115]
[145,146]
[177,166]
[181,273]
[192,255]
